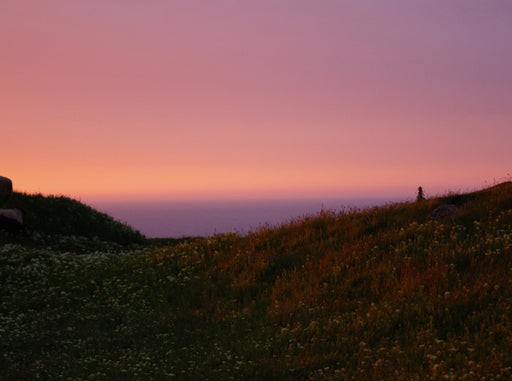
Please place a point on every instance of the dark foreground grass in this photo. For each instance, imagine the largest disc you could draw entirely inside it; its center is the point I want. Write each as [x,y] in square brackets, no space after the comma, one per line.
[63,216]
[376,294]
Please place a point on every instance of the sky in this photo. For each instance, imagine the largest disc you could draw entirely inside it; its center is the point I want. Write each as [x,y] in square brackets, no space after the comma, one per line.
[232,99]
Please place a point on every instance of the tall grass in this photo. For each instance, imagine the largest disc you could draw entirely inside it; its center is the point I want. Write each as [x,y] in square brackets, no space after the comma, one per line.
[46,217]
[384,293]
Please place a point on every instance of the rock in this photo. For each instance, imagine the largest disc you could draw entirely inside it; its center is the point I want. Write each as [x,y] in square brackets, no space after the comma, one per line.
[5,186]
[13,214]
[11,220]
[443,211]
[10,225]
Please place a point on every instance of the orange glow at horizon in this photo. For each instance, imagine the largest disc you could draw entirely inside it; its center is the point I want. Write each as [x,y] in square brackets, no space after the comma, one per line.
[248,100]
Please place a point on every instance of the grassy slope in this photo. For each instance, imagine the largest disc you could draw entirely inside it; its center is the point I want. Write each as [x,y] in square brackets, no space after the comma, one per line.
[381,293]
[50,217]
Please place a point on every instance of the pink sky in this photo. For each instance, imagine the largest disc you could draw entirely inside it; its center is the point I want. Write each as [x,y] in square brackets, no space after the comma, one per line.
[233,99]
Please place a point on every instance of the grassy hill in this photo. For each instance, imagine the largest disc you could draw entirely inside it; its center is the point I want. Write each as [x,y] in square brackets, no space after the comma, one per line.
[60,221]
[385,293]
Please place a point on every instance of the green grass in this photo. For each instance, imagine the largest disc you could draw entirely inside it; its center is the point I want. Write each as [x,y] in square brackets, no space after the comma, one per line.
[62,223]
[375,294]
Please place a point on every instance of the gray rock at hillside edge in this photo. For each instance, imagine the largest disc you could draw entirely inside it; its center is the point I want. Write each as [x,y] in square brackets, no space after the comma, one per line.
[10,225]
[11,220]
[443,211]
[5,187]
[13,214]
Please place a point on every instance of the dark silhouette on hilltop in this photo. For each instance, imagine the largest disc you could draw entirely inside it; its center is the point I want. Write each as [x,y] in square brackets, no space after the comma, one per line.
[420,197]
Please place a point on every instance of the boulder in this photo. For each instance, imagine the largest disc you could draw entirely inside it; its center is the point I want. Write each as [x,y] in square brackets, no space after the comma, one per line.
[10,225]
[5,187]
[443,211]
[13,214]
[11,220]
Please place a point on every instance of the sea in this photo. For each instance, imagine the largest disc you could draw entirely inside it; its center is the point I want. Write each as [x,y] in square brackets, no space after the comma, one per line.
[177,219]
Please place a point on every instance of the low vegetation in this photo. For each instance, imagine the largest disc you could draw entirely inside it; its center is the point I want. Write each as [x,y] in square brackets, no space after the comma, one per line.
[384,293]
[59,222]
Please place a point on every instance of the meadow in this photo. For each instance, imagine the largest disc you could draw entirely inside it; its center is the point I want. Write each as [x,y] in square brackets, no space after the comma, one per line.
[382,293]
